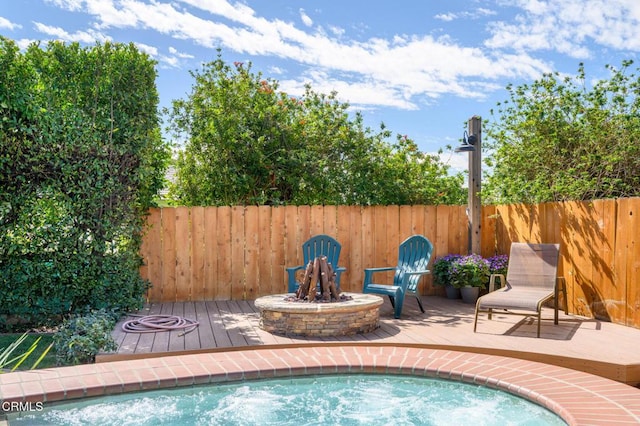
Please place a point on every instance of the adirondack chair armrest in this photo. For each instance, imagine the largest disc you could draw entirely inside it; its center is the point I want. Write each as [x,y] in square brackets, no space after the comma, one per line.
[492,281]
[409,274]
[368,272]
[371,271]
[293,269]
[426,271]
[292,285]
[339,269]
[385,268]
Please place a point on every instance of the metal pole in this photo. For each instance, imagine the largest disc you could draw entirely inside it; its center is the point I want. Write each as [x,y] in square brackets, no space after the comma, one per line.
[475,177]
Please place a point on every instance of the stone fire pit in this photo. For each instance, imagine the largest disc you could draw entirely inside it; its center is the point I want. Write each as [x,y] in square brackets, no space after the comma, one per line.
[357,315]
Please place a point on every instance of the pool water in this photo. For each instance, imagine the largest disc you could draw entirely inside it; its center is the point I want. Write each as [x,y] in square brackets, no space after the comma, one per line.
[317,400]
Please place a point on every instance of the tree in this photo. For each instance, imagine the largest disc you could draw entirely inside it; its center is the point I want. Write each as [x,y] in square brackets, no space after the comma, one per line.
[247,143]
[557,139]
[81,159]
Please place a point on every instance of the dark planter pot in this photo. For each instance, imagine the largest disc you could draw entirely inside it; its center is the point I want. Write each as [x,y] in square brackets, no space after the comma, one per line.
[470,294]
[452,292]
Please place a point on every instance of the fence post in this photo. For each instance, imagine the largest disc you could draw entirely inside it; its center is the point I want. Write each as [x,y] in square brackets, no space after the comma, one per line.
[475,184]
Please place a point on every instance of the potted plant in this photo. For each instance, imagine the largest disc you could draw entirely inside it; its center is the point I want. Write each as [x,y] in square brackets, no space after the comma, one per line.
[442,276]
[469,274]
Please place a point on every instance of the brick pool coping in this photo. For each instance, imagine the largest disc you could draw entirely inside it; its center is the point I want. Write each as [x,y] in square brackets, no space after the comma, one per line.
[579,398]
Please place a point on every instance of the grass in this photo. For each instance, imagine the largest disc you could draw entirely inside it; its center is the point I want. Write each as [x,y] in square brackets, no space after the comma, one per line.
[45,340]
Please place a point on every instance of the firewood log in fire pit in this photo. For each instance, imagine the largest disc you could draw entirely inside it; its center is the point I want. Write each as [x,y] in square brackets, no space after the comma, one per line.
[318,275]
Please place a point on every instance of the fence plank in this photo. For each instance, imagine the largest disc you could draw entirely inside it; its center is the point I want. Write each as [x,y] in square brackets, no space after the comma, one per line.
[355,263]
[343,234]
[329,219]
[198,251]
[368,246]
[488,231]
[316,221]
[380,254]
[265,261]
[628,256]
[252,271]
[168,286]
[392,240]
[601,256]
[441,243]
[573,241]
[211,267]
[278,275]
[152,257]
[182,253]
[237,253]
[292,250]
[225,256]
[406,227]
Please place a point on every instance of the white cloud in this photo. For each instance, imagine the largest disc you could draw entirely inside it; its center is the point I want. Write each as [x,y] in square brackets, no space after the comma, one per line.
[181,55]
[337,31]
[447,17]
[403,71]
[88,37]
[305,18]
[149,50]
[457,161]
[566,26]
[5,23]
[72,5]
[23,43]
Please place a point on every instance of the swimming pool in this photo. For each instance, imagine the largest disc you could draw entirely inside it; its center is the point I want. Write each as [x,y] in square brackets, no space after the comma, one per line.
[577,397]
[355,399]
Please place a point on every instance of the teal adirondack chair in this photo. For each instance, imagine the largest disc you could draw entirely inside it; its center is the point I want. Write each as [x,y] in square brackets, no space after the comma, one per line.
[318,245]
[413,258]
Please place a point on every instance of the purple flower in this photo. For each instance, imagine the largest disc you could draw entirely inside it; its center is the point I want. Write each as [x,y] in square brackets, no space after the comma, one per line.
[471,270]
[498,264]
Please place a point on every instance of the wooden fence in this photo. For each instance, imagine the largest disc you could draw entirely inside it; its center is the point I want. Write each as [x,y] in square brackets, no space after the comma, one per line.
[232,253]
[600,251]
[209,253]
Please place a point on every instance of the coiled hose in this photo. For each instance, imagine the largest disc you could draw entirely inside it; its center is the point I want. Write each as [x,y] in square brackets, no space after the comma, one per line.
[155,323]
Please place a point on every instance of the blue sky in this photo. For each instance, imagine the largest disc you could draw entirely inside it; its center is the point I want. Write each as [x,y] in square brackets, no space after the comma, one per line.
[423,67]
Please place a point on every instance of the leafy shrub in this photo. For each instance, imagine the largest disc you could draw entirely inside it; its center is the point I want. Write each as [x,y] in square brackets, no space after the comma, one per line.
[80,338]
[471,270]
[81,158]
[441,269]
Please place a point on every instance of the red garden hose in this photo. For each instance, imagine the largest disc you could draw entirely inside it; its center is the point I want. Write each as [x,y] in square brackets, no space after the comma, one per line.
[155,323]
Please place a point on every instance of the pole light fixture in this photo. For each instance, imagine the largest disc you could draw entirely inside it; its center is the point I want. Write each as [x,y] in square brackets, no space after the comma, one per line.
[468,143]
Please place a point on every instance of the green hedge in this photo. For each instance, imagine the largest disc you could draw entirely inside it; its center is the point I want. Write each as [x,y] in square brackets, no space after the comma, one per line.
[81,159]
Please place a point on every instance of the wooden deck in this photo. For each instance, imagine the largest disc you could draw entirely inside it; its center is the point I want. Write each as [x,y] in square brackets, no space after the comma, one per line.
[589,345]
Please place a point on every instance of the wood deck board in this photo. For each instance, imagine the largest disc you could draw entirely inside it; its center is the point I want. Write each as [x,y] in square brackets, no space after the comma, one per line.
[596,345]
[220,334]
[204,330]
[145,343]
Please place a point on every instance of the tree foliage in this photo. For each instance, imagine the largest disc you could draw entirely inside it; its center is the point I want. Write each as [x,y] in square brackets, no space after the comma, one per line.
[245,142]
[559,139]
[81,159]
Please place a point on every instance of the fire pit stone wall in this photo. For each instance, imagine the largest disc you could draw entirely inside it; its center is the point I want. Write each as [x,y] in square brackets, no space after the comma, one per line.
[358,315]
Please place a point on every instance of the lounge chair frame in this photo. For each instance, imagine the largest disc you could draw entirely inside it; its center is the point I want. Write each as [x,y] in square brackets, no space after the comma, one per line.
[531,282]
